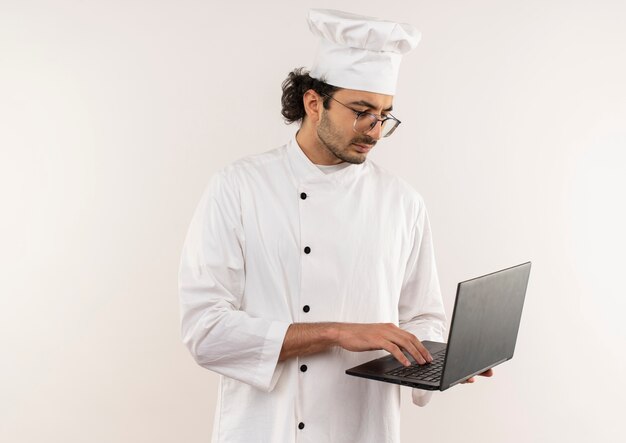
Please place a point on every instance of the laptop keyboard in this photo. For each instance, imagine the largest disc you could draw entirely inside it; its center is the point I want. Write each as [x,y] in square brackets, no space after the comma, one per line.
[428,372]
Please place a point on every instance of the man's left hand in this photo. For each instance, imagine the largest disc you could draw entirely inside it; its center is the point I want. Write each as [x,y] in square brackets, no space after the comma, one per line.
[487,373]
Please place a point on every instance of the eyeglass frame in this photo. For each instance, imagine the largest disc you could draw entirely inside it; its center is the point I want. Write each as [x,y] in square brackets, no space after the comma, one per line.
[376,116]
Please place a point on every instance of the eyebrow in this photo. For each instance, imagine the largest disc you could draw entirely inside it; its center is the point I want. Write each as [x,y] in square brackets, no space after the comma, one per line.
[371,106]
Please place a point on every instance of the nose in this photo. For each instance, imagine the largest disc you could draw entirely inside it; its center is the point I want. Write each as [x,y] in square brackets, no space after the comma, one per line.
[376,130]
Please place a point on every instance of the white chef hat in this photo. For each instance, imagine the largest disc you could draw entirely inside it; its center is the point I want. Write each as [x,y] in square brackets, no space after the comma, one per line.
[358,52]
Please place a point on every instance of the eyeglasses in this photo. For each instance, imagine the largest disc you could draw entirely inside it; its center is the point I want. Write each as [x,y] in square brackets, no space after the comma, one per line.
[366,121]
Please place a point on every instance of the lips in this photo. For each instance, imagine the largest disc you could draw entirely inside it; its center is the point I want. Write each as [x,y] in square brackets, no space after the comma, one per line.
[362,148]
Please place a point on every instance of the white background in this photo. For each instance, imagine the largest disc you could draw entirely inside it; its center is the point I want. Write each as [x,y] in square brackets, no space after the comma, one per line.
[114,115]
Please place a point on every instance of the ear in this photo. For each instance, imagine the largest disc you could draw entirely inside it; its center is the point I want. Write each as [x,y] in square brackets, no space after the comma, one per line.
[313,105]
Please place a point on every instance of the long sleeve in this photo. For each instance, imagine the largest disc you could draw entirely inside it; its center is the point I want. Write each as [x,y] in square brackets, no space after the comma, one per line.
[421,309]
[220,336]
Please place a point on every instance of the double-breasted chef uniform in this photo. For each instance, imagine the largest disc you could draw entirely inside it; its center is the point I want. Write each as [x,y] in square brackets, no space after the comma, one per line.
[274,241]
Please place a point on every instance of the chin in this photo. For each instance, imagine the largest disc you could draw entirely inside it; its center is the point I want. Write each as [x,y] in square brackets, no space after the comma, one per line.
[355,159]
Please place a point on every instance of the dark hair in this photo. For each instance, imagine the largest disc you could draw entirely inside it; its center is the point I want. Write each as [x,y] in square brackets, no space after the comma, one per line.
[295,85]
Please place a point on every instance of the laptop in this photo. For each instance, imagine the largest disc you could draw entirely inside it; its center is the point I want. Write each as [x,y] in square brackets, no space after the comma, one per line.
[483,332]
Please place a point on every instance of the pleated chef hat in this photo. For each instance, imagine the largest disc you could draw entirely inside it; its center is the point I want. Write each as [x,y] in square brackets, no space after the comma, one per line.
[359,52]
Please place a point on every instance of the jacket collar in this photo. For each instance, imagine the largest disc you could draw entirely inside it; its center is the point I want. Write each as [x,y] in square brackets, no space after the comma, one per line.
[305,171]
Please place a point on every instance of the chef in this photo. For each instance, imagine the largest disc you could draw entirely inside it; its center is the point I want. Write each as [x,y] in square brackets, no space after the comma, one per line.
[309,259]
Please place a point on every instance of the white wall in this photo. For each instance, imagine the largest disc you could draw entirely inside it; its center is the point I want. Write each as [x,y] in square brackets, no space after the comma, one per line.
[114,115]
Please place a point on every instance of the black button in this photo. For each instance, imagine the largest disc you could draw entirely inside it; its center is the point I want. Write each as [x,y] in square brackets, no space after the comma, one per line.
[306,308]
[307,250]
[303,368]
[301,425]
[303,196]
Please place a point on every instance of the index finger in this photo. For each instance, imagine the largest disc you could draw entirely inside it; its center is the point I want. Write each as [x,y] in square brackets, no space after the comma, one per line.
[394,350]
[417,350]
[421,349]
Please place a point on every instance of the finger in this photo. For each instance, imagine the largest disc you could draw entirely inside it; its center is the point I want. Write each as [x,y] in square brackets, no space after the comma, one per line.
[413,346]
[470,380]
[487,373]
[417,355]
[400,338]
[396,352]
[425,352]
[408,345]
[422,349]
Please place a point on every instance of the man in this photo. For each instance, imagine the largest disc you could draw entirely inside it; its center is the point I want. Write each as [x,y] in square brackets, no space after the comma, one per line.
[309,259]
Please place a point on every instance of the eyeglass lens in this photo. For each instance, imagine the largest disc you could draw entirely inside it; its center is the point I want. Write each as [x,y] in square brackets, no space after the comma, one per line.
[366,122]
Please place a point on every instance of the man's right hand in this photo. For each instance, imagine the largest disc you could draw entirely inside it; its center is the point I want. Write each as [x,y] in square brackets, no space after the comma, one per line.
[311,338]
[375,336]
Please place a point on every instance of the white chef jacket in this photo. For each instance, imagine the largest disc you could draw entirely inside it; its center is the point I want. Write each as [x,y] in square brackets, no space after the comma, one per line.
[275,241]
